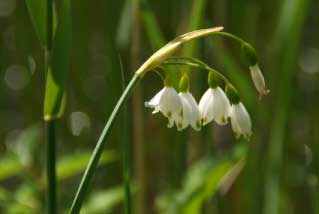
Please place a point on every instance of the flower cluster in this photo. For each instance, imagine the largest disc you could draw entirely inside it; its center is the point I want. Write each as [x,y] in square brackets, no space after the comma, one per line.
[181,109]
[216,104]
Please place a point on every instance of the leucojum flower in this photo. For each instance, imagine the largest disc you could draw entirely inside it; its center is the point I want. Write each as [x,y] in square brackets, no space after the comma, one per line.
[216,104]
[256,75]
[220,103]
[168,103]
[239,117]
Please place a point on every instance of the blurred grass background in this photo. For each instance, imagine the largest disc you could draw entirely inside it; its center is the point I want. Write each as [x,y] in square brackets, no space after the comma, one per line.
[173,172]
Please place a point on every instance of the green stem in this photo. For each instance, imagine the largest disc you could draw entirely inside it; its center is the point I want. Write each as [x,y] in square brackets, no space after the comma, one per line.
[82,190]
[230,36]
[194,63]
[51,173]
[50,125]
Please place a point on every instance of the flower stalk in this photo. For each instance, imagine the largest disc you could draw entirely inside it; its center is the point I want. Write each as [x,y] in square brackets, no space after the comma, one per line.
[83,187]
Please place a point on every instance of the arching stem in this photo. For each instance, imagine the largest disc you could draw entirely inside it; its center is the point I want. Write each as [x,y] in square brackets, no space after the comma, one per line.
[82,190]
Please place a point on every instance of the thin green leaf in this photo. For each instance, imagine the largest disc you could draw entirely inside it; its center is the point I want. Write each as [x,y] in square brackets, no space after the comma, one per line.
[151,26]
[195,22]
[55,87]
[37,11]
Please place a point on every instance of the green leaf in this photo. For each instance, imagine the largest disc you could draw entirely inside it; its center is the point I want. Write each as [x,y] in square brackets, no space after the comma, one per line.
[37,11]
[202,181]
[9,166]
[104,201]
[151,26]
[195,22]
[55,94]
[76,163]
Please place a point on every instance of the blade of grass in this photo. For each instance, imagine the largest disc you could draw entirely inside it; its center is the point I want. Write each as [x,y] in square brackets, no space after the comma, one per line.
[195,22]
[51,167]
[56,56]
[37,11]
[151,26]
[289,30]
[50,125]
[55,93]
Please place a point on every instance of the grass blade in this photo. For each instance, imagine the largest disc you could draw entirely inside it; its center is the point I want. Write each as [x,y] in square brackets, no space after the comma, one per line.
[289,30]
[55,93]
[37,11]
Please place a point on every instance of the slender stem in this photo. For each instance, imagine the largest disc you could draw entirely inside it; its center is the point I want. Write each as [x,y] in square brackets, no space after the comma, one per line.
[50,125]
[51,173]
[83,187]
[230,36]
[196,63]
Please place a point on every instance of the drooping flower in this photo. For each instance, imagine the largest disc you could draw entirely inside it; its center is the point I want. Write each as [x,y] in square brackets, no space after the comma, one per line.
[240,120]
[168,103]
[258,80]
[190,114]
[214,105]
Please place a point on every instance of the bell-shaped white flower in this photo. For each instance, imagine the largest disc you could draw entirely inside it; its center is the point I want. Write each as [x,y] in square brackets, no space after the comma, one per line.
[191,115]
[258,80]
[214,105]
[240,121]
[168,103]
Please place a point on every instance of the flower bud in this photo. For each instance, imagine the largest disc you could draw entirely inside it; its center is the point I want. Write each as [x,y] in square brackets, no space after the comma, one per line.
[232,94]
[171,47]
[258,80]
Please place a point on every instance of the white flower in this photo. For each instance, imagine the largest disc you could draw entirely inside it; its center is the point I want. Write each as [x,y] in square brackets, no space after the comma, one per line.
[258,80]
[168,102]
[240,121]
[191,115]
[214,105]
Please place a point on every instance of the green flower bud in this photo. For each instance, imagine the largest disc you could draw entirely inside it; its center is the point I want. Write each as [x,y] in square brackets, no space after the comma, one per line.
[184,83]
[249,53]
[213,79]
[232,94]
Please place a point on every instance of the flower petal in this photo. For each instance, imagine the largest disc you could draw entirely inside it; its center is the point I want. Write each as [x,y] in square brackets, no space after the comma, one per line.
[155,101]
[170,102]
[240,120]
[205,106]
[194,116]
[221,106]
